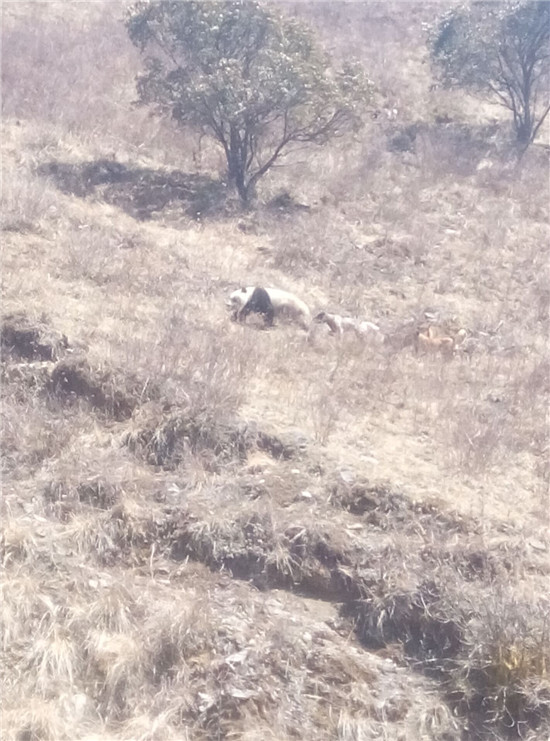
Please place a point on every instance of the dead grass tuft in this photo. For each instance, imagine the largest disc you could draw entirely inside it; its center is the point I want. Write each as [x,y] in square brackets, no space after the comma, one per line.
[18,543]
[169,436]
[31,436]
[128,532]
[115,395]
[27,202]
[25,339]
[502,672]
[117,663]
[64,498]
[40,719]
[387,509]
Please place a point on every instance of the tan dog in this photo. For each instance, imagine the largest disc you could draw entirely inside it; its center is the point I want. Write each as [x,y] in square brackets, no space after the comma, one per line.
[445,345]
[433,340]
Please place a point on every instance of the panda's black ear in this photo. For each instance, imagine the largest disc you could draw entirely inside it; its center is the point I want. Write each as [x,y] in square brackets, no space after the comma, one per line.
[243,290]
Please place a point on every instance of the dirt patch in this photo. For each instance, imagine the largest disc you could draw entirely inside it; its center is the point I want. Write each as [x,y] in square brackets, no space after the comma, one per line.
[24,339]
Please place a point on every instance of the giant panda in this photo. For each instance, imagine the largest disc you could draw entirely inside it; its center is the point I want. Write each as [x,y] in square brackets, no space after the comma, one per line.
[283,304]
[258,303]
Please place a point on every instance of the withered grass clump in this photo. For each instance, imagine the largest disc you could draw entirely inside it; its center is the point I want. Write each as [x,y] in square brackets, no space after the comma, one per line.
[169,435]
[25,339]
[388,509]
[64,499]
[27,202]
[117,395]
[501,674]
[492,656]
[129,532]
[218,661]
[253,547]
[166,436]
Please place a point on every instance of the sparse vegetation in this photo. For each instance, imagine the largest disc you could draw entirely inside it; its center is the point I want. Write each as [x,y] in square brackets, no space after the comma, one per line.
[501,51]
[212,531]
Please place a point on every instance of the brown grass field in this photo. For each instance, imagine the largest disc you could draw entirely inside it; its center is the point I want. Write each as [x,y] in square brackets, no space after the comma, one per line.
[214,532]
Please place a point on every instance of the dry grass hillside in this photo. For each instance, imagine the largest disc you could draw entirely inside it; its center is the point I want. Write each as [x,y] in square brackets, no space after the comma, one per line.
[212,531]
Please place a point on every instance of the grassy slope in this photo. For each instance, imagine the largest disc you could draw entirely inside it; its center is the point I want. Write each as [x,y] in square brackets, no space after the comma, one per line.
[200,597]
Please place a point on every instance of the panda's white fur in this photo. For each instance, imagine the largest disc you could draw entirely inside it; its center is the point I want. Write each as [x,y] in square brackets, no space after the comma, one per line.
[285,304]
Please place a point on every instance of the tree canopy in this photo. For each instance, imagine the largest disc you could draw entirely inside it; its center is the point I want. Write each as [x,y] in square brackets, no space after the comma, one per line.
[252,79]
[502,50]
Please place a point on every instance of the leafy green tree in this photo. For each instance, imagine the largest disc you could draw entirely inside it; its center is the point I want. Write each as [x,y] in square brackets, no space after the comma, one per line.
[253,80]
[500,49]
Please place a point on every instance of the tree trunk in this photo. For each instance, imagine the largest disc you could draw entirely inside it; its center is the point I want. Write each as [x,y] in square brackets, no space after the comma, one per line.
[237,181]
[236,162]
[525,129]
[234,178]
[235,170]
[524,125]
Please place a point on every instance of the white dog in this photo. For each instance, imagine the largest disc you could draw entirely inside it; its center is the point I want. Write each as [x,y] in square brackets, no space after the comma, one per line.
[340,325]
